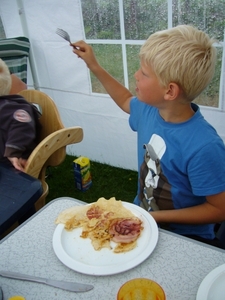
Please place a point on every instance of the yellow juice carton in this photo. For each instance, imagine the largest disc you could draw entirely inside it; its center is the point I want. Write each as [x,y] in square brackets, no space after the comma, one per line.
[82,173]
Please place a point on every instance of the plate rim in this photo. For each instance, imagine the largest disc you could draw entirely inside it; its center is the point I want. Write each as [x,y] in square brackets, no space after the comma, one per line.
[101,271]
[208,281]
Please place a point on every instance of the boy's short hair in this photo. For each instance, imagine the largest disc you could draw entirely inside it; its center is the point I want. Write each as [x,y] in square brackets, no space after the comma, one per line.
[5,79]
[184,55]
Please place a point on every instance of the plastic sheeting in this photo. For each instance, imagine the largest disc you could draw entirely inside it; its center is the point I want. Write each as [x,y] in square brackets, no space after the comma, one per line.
[59,73]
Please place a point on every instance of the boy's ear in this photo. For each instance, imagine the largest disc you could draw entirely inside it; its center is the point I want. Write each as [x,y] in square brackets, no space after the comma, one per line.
[172,91]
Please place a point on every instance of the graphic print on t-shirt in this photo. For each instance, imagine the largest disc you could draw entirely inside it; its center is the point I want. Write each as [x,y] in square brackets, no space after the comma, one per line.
[155,190]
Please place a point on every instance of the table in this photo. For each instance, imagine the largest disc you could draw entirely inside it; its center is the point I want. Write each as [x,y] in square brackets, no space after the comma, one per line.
[178,264]
[18,194]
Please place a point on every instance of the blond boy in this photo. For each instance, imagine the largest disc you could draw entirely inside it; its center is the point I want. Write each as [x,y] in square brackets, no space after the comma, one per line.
[181,158]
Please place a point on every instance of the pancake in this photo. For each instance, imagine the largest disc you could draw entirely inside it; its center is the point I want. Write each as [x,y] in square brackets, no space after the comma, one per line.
[104,222]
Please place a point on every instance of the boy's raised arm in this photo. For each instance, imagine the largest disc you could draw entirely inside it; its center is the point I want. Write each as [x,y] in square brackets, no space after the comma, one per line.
[116,90]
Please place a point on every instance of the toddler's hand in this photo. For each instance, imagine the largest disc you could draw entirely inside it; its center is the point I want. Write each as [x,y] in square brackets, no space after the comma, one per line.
[18,163]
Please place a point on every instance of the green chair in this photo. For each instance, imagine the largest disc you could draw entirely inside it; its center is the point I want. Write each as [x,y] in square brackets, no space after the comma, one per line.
[15,52]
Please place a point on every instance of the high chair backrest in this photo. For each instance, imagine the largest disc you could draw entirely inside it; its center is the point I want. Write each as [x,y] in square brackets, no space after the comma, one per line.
[51,150]
[50,120]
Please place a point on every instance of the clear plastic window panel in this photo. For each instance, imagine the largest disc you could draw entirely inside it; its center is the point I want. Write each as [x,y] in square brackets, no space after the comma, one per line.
[101,19]
[143,17]
[110,58]
[206,15]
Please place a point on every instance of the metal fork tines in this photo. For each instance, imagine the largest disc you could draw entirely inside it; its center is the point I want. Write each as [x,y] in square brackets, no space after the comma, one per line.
[63,34]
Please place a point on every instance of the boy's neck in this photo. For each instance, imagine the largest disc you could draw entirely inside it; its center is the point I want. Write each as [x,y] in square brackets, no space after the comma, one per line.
[177,113]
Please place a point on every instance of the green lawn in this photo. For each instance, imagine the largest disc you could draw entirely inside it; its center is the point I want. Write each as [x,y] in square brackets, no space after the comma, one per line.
[107,182]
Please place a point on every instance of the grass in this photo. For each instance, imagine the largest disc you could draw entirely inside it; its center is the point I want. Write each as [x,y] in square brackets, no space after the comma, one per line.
[107,182]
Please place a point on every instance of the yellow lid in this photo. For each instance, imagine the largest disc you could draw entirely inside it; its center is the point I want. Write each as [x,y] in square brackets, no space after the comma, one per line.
[83,161]
[17,297]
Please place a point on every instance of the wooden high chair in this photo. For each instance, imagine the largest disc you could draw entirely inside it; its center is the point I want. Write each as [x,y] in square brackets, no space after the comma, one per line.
[51,151]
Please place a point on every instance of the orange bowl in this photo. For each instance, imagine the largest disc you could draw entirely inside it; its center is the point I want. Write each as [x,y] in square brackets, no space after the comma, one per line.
[141,289]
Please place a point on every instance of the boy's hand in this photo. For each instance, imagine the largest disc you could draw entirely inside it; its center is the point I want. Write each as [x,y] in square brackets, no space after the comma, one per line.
[85,51]
[18,163]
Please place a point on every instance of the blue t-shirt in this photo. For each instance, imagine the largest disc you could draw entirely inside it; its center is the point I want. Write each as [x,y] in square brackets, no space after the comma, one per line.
[192,158]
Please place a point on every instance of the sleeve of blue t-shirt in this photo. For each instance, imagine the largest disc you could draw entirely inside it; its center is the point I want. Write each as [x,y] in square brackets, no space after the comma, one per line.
[135,111]
[207,170]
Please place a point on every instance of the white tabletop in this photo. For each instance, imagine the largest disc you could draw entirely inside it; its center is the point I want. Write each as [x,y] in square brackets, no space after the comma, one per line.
[178,264]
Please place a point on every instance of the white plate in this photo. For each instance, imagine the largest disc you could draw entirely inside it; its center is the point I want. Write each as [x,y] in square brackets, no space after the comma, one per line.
[212,286]
[79,255]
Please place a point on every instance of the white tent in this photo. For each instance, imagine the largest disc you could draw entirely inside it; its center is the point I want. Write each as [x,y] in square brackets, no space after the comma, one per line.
[55,70]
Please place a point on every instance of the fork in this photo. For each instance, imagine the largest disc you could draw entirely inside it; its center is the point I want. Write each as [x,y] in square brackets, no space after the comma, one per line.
[64,35]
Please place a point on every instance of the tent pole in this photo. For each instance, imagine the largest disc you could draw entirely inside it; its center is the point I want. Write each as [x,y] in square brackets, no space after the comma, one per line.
[26,34]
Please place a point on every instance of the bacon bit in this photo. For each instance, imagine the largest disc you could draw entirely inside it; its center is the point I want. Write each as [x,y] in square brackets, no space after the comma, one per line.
[94,212]
[125,230]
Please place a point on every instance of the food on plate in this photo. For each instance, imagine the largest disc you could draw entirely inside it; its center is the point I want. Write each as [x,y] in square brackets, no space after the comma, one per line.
[105,222]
